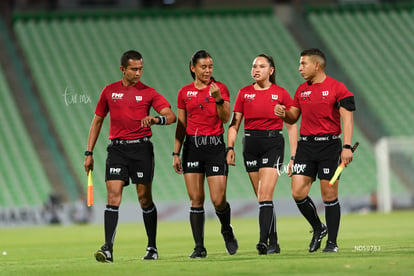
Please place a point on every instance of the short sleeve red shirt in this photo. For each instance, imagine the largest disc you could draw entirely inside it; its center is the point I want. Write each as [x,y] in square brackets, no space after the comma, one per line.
[319,105]
[201,109]
[127,105]
[257,106]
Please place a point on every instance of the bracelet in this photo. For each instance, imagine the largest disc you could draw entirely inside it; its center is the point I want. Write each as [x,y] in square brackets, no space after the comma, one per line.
[221,102]
[87,153]
[292,158]
[175,153]
[162,120]
[229,148]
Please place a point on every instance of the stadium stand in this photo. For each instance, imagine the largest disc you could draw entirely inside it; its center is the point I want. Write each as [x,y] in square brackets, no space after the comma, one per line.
[23,182]
[74,57]
[374,47]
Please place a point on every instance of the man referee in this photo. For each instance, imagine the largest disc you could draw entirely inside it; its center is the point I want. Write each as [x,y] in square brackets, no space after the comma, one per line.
[323,103]
[130,152]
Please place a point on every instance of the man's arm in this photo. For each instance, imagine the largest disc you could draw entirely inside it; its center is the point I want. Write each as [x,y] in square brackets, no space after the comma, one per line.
[347,118]
[94,131]
[289,116]
[169,114]
[167,117]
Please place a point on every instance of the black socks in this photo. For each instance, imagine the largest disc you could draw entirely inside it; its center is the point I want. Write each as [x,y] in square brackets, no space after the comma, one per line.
[150,220]
[197,219]
[224,217]
[266,220]
[110,222]
[332,217]
[308,210]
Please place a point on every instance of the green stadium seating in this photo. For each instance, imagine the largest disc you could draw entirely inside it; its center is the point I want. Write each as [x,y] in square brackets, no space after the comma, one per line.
[374,47]
[23,180]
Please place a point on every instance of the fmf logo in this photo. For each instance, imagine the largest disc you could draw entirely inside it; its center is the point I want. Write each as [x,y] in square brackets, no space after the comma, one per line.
[192,164]
[117,96]
[275,97]
[251,163]
[138,98]
[305,94]
[249,96]
[192,93]
[116,171]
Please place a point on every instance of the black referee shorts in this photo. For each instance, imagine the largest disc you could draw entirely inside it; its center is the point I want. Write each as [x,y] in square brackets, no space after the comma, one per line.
[204,154]
[318,156]
[130,160]
[263,149]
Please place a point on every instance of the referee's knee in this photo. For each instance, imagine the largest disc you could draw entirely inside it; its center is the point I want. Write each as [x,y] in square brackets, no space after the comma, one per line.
[145,202]
[299,195]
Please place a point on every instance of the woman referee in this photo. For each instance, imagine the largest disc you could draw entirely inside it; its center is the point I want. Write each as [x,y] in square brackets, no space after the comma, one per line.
[203,107]
[264,145]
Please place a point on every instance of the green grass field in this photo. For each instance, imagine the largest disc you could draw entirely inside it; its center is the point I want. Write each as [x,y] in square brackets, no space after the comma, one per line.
[372,244]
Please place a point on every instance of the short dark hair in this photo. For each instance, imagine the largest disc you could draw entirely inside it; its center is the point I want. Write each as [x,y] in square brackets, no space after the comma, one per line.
[194,59]
[131,54]
[270,60]
[314,52]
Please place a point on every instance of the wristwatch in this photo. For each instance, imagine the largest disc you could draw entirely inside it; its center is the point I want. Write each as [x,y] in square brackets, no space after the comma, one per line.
[87,153]
[347,146]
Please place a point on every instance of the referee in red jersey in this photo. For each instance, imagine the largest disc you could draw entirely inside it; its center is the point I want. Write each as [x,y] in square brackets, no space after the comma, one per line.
[203,107]
[323,103]
[130,152]
[263,143]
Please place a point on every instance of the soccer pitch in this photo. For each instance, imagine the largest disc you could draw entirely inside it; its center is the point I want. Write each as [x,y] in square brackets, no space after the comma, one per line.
[370,244]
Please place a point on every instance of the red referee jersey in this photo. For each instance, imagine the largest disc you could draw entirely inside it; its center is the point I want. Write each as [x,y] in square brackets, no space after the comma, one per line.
[258,106]
[200,106]
[319,104]
[127,105]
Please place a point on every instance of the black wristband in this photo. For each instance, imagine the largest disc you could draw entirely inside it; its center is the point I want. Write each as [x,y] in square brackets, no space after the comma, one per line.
[162,120]
[87,153]
[229,148]
[175,153]
[292,158]
[347,146]
[221,102]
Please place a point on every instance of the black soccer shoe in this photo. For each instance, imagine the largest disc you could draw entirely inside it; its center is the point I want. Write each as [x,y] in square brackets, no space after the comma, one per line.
[273,248]
[261,248]
[152,254]
[230,241]
[199,252]
[104,255]
[331,247]
[317,238]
